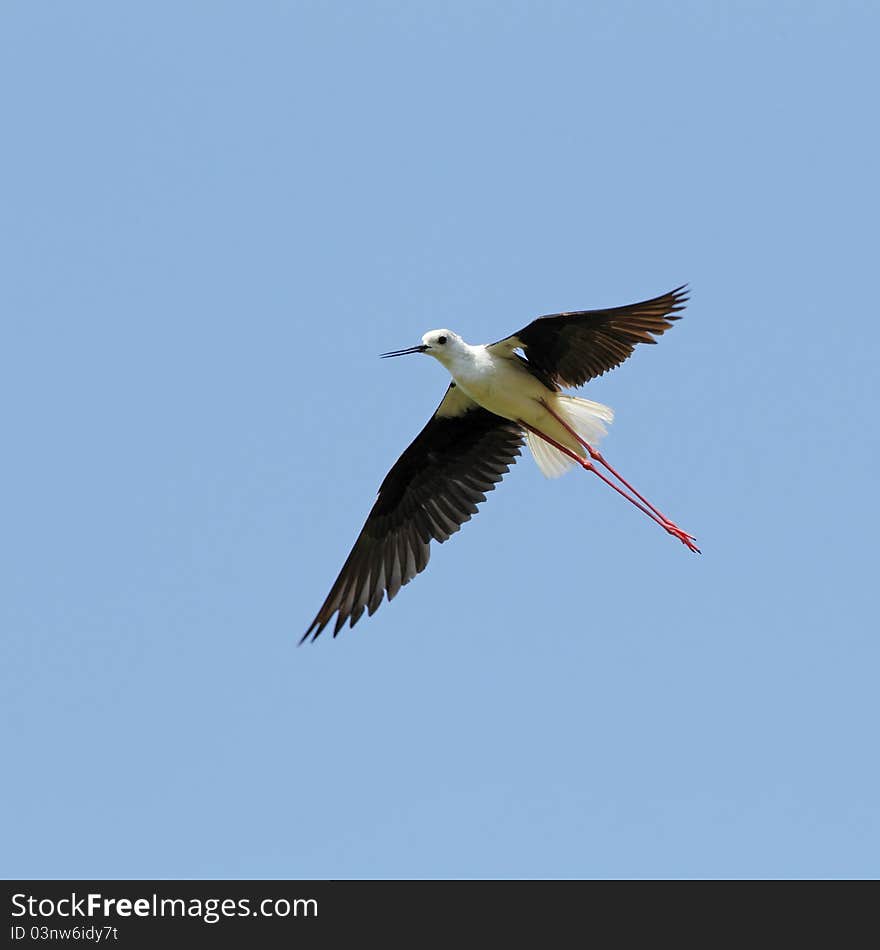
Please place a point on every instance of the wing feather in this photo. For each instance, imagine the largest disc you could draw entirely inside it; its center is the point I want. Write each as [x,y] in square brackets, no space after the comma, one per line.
[433,488]
[571,348]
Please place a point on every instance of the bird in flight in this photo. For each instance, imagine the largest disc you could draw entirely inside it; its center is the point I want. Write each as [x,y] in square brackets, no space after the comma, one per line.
[497,399]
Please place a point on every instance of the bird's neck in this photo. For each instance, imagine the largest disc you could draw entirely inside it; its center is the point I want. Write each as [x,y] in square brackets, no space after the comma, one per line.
[467,361]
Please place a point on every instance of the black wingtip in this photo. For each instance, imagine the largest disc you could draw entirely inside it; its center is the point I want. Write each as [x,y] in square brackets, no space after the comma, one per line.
[314,625]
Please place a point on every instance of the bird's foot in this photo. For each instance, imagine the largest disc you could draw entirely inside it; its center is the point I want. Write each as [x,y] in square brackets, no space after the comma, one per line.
[688,540]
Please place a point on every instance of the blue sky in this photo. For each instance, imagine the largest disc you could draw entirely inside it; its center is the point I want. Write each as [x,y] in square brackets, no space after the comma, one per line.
[214,217]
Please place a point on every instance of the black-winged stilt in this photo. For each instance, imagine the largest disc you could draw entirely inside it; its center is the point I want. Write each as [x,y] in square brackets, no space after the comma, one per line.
[496,399]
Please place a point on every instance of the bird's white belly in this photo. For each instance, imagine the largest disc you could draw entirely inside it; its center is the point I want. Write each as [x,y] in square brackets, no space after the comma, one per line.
[511,395]
[508,390]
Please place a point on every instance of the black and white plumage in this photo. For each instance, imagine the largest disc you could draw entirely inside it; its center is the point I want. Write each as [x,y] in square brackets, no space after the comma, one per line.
[496,400]
[572,348]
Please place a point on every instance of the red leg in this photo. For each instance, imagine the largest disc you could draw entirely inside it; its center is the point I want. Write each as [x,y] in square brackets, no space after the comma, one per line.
[597,456]
[650,510]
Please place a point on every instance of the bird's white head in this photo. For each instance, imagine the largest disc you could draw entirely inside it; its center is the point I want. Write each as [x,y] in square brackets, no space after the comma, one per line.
[443,345]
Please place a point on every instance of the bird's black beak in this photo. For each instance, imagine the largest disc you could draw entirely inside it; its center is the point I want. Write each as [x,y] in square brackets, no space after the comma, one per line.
[413,349]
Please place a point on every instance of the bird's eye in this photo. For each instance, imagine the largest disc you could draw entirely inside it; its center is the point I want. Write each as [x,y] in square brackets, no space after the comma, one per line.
[441,340]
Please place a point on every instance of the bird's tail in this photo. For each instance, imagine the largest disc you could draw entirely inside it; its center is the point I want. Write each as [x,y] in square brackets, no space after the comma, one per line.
[587,418]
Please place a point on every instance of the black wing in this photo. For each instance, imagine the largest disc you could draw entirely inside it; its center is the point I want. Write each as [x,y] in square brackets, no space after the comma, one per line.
[571,348]
[432,489]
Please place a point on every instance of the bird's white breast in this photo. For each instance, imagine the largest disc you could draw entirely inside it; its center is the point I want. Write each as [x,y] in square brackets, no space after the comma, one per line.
[499,384]
[503,385]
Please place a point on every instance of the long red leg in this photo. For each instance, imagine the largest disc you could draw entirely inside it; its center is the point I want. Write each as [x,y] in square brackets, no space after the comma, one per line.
[597,456]
[588,466]
[650,510]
